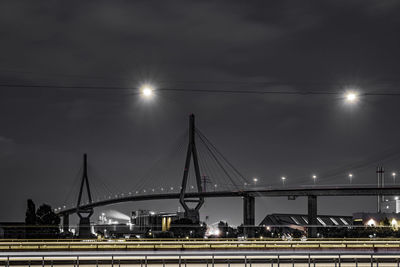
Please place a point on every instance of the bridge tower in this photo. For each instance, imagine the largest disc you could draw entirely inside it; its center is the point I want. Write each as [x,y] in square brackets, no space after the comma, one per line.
[190,212]
[84,213]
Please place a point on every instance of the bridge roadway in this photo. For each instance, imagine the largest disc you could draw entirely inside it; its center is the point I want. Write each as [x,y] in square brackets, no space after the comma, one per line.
[262,192]
[249,199]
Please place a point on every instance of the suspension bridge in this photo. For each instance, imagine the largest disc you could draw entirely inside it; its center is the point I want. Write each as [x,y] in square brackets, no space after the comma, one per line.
[192,197]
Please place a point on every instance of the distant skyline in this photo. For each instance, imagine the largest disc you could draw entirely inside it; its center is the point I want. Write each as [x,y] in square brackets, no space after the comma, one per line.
[328,46]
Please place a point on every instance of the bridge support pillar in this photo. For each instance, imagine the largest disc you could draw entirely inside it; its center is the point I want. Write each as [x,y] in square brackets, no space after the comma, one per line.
[312,216]
[248,215]
[84,228]
[65,220]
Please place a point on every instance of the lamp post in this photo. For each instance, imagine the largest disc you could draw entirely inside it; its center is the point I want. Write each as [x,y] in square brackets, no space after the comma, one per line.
[314,178]
[394,177]
[255,180]
[147,91]
[283,178]
[351,178]
[351,97]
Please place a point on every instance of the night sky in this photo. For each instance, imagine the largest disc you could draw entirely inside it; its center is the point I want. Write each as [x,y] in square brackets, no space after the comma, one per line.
[95,48]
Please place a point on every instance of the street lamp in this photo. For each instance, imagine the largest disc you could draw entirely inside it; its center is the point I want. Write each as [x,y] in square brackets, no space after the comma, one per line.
[255,180]
[146,91]
[314,178]
[283,178]
[351,97]
[394,177]
[351,177]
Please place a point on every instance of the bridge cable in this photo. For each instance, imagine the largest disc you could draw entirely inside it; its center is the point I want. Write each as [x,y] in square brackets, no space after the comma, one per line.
[219,163]
[216,169]
[227,182]
[109,188]
[74,186]
[206,169]
[225,159]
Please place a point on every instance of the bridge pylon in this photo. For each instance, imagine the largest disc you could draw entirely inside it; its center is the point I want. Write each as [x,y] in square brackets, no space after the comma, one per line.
[84,213]
[190,212]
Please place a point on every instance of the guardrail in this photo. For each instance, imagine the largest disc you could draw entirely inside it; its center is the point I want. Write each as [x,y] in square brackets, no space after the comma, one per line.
[260,239]
[185,259]
[197,245]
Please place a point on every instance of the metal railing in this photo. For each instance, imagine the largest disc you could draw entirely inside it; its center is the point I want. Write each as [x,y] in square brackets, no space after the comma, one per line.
[185,259]
[199,245]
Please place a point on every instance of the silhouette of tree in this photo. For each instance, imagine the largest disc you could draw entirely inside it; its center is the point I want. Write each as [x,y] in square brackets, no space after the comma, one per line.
[42,223]
[30,215]
[46,216]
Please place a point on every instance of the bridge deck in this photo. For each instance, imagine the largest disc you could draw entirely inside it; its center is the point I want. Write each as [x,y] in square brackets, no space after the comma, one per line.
[260,192]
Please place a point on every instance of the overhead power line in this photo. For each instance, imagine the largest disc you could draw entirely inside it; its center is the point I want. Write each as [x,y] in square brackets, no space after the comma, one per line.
[136,90]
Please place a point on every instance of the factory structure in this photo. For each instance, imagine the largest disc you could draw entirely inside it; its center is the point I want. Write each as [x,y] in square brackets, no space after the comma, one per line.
[387,214]
[388,208]
[142,223]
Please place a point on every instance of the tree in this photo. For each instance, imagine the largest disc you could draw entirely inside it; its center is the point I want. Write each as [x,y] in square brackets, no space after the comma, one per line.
[48,221]
[42,223]
[46,216]
[30,215]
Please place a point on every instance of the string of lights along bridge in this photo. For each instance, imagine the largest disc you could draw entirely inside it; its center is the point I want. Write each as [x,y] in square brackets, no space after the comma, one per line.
[213,188]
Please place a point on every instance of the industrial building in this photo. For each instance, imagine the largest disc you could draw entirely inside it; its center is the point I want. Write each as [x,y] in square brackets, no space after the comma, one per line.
[290,222]
[388,207]
[145,220]
[376,219]
[141,223]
